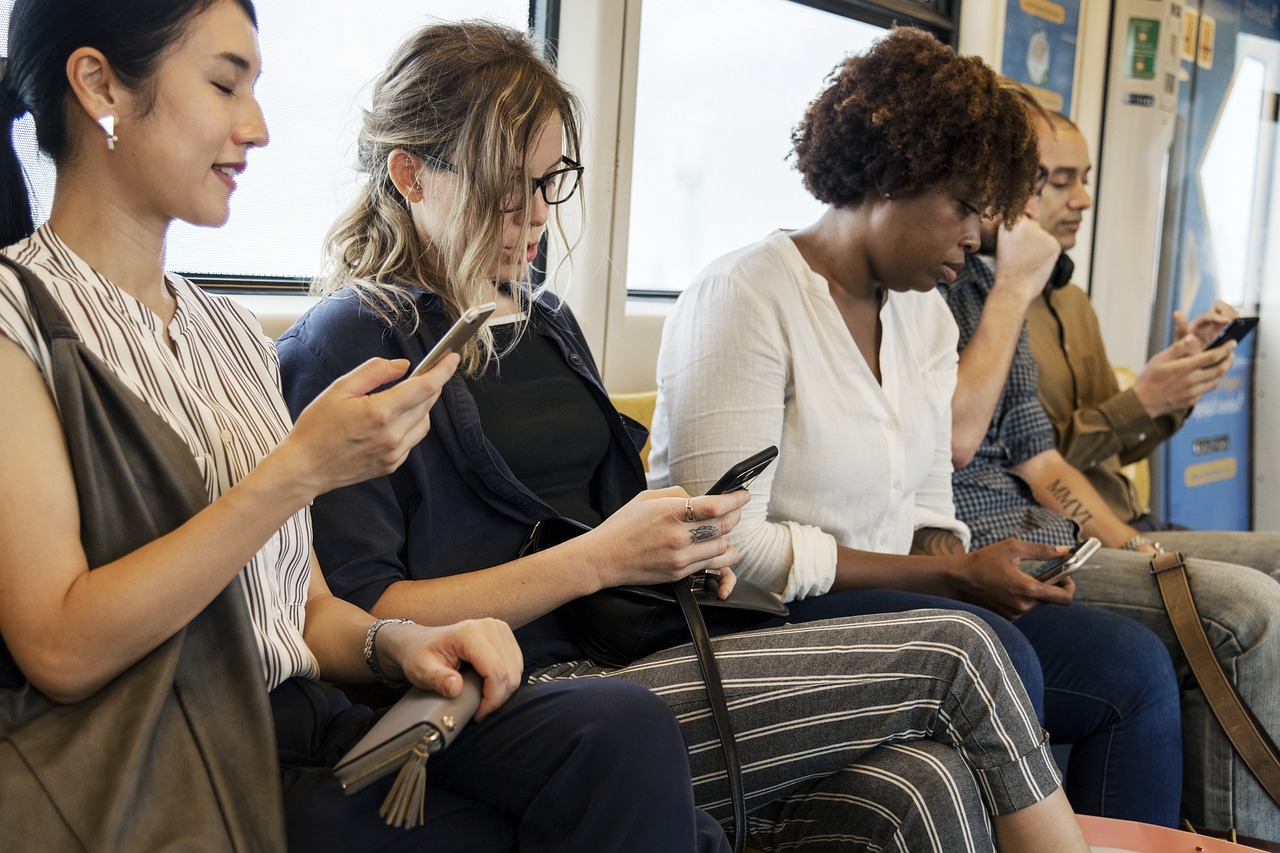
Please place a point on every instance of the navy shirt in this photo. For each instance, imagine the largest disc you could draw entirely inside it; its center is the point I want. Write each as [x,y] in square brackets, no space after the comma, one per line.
[454,506]
[994,501]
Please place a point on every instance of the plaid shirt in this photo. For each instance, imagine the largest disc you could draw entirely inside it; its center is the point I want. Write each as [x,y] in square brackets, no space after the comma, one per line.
[994,501]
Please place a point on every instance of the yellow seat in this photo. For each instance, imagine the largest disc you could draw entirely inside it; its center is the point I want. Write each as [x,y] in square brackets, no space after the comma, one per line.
[638,407]
[1139,473]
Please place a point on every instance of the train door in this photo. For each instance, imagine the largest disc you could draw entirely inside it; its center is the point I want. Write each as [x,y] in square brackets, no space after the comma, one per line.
[1216,64]
[1217,246]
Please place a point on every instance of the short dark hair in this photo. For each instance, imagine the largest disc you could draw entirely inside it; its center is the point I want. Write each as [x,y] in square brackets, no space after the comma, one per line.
[908,116]
[132,34]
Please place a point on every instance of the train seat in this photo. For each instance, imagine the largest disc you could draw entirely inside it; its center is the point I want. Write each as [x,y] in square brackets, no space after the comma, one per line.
[639,407]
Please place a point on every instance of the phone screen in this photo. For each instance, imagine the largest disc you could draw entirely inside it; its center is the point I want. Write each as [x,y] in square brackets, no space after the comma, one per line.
[1234,331]
[1059,567]
[740,476]
[461,332]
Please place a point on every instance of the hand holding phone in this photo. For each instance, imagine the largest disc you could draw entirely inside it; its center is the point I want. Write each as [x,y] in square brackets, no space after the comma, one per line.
[1058,568]
[454,339]
[1234,331]
[740,476]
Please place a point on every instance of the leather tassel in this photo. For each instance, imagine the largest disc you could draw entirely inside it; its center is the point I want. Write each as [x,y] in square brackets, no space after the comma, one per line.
[404,805]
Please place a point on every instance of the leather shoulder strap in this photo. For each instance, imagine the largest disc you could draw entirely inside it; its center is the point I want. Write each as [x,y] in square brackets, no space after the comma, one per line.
[51,320]
[719,707]
[1250,740]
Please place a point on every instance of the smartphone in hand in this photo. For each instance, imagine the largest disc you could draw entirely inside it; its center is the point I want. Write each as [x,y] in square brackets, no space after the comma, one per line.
[1234,331]
[740,476]
[1058,568]
[454,339]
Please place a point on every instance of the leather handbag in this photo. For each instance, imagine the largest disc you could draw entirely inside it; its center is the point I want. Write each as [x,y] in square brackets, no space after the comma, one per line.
[420,724]
[1249,739]
[178,751]
[619,625]
[622,624]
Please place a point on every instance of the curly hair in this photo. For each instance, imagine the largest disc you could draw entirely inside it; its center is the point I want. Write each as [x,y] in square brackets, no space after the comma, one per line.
[909,116]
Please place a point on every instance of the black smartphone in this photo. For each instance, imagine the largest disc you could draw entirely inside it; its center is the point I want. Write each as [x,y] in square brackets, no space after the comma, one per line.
[740,476]
[1234,331]
[461,332]
[1052,571]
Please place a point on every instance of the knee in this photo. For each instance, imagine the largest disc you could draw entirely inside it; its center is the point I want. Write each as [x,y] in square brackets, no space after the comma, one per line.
[1240,607]
[607,716]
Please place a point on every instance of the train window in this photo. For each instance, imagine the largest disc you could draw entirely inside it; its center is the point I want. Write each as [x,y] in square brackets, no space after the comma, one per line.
[318,59]
[710,170]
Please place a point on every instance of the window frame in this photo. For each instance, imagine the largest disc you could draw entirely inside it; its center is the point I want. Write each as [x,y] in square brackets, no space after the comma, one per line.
[939,17]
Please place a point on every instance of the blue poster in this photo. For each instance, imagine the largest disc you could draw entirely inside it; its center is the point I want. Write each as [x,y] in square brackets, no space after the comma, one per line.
[1040,49]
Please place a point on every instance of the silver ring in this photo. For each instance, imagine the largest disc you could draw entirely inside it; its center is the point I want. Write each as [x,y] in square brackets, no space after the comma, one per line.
[688,510]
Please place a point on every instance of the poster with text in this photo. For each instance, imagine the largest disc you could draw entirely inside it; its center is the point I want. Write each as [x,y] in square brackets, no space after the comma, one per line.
[1040,48]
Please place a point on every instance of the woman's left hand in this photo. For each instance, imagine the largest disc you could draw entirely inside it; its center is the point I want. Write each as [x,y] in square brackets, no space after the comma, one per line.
[726,580]
[430,657]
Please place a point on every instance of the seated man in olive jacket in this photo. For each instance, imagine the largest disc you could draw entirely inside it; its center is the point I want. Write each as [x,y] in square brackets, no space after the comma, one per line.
[1098,427]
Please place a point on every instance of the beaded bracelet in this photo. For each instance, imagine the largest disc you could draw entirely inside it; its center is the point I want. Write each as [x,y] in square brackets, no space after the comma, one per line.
[371,659]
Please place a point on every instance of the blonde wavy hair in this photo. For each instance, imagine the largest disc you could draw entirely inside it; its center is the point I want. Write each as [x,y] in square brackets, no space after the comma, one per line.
[473,94]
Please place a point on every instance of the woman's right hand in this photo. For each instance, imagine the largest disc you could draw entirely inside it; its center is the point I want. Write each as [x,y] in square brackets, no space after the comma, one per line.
[650,540]
[352,432]
[993,578]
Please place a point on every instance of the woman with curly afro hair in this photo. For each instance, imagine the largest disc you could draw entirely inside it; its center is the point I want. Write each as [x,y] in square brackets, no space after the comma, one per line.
[832,343]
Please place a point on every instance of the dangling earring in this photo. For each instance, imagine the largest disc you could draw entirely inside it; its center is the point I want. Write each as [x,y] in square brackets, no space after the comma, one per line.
[108,125]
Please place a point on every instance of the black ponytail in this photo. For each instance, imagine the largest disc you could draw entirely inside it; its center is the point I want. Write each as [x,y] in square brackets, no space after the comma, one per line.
[132,34]
[15,202]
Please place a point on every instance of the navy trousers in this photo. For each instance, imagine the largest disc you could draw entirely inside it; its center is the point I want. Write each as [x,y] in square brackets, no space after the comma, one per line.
[593,765]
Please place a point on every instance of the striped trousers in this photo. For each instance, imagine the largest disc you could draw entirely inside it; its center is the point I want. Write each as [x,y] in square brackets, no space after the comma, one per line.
[901,731]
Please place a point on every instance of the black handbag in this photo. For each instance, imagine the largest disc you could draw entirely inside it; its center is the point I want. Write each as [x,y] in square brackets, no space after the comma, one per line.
[622,624]
[619,625]
[178,751]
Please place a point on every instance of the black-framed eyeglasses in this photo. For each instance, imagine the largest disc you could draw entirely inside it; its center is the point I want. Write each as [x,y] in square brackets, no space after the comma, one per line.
[1042,178]
[556,187]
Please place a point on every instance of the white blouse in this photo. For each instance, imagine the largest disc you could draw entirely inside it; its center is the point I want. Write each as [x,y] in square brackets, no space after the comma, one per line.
[755,353]
[220,392]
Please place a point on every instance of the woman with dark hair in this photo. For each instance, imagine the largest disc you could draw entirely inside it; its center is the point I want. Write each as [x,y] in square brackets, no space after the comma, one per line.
[903,732]
[149,113]
[831,342]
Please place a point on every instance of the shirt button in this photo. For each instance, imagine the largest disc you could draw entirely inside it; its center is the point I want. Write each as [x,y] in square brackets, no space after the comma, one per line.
[227,437]
[574,357]
[891,424]
[1142,436]
[897,484]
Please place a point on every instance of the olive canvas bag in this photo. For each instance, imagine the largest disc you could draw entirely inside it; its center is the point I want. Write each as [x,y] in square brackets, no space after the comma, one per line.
[178,752]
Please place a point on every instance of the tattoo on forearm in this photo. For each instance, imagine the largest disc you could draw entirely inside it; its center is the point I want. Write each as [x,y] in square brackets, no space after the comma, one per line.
[935,542]
[1068,505]
[699,534]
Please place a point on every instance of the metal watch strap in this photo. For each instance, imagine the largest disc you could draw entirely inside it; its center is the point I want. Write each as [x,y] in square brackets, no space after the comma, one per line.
[1251,742]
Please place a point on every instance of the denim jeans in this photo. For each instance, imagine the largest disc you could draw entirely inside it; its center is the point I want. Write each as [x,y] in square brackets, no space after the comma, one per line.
[1120,712]
[1240,610]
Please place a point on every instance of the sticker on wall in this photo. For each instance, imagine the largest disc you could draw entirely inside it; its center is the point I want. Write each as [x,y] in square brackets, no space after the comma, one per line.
[1190,29]
[1204,56]
[1140,49]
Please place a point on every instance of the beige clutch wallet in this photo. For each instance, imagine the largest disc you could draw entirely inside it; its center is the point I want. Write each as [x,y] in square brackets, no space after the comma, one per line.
[419,725]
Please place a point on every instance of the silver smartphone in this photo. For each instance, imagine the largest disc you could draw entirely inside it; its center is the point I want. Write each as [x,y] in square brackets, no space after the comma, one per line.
[461,332]
[1058,568]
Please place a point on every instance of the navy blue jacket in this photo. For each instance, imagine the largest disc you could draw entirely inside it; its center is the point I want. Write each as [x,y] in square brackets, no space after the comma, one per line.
[466,510]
